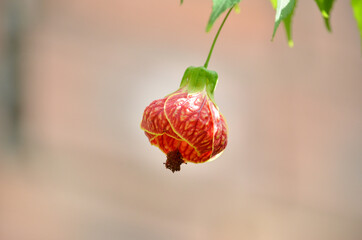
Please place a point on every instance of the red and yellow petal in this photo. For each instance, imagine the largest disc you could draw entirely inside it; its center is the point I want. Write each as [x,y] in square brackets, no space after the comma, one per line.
[220,136]
[168,144]
[154,120]
[190,118]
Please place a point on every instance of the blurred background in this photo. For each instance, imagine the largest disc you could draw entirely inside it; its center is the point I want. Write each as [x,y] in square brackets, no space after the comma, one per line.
[75,77]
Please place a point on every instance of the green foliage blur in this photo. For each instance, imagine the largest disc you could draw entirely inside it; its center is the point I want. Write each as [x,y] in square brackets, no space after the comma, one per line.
[284,12]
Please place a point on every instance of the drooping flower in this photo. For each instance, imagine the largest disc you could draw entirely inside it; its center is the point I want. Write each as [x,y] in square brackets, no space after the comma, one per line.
[186,125]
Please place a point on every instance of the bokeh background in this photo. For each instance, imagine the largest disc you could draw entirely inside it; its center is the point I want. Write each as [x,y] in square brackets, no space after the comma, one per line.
[75,77]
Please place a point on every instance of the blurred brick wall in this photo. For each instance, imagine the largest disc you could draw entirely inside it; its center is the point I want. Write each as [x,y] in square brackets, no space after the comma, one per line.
[291,169]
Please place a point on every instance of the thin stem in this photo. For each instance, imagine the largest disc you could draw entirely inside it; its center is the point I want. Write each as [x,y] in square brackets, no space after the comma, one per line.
[216,36]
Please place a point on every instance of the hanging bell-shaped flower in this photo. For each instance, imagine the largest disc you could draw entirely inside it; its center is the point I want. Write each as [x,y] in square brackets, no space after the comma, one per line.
[187,125]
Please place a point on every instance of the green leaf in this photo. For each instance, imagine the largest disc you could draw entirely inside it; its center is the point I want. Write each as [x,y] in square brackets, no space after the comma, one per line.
[182,1]
[325,7]
[288,27]
[357,10]
[284,12]
[218,7]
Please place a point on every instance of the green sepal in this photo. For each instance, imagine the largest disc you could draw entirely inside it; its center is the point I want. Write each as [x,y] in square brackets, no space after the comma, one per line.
[198,79]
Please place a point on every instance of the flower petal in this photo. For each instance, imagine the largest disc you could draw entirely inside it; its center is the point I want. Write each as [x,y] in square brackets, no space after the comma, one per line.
[189,154]
[154,120]
[220,137]
[190,118]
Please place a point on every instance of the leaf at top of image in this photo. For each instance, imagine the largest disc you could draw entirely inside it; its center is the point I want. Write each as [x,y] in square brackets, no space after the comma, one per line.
[218,7]
[325,6]
[357,10]
[284,12]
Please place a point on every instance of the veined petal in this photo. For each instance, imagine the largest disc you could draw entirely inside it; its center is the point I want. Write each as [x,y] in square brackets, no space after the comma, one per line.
[190,118]
[168,144]
[154,120]
[220,137]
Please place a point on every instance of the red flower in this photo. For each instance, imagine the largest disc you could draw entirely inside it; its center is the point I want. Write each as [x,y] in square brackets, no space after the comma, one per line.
[186,125]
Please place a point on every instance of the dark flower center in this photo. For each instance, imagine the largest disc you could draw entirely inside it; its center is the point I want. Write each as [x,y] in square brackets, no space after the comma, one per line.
[174,161]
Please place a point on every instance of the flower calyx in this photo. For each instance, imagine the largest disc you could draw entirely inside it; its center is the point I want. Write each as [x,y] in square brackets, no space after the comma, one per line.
[198,79]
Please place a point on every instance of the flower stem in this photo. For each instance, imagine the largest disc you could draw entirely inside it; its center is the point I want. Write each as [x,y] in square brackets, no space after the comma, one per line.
[215,38]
